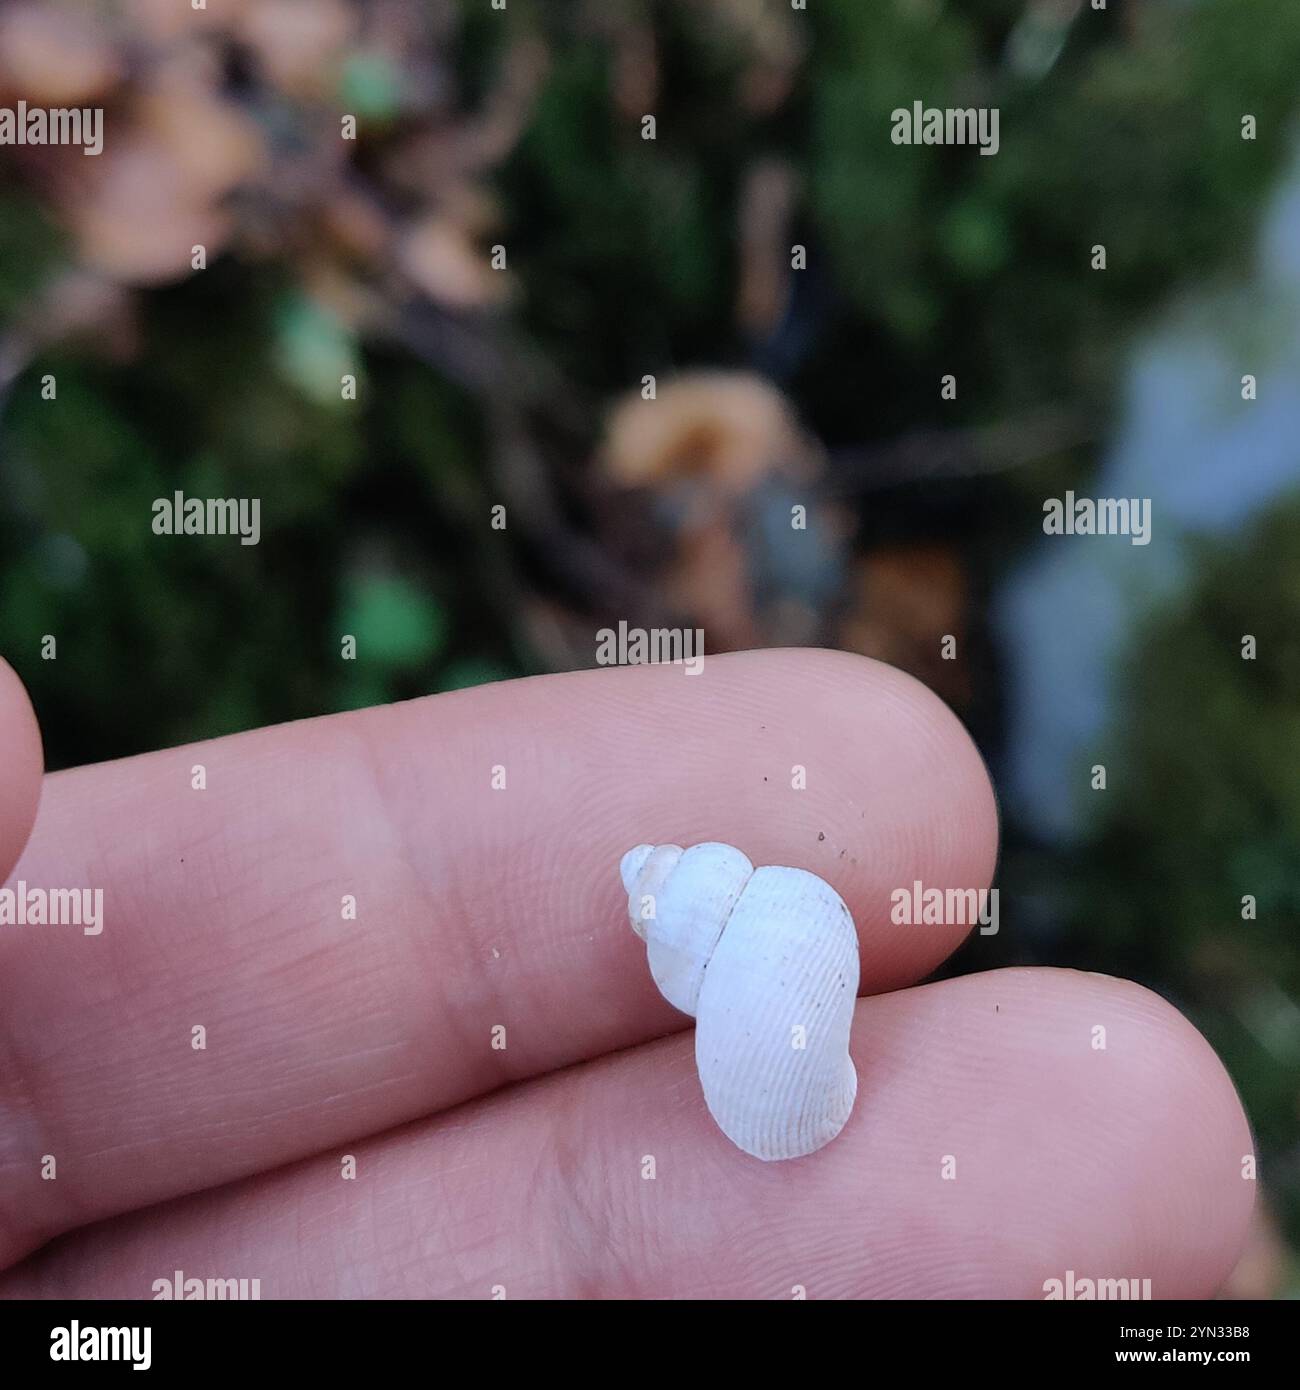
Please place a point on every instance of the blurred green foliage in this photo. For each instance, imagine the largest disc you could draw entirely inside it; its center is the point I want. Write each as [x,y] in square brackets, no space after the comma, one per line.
[922,262]
[1203,817]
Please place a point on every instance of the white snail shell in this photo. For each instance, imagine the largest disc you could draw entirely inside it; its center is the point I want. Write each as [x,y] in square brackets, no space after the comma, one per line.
[767,962]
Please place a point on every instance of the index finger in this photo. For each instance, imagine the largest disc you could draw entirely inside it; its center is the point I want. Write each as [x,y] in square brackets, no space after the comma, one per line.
[21,764]
[374,916]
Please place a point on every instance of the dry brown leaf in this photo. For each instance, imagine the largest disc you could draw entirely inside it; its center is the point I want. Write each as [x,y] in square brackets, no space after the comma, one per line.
[167,21]
[440,259]
[470,206]
[356,224]
[709,581]
[730,429]
[132,218]
[211,145]
[52,57]
[351,301]
[300,44]
[905,600]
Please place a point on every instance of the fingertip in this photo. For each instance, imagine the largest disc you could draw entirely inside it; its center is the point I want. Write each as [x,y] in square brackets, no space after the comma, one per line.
[1138,1127]
[1196,1148]
[23,761]
[963,791]
[957,780]
[896,739]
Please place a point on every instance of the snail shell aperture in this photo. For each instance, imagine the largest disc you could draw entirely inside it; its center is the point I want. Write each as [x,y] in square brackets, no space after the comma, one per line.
[767,962]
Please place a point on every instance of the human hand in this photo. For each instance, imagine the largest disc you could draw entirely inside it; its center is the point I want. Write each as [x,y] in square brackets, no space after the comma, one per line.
[479,1170]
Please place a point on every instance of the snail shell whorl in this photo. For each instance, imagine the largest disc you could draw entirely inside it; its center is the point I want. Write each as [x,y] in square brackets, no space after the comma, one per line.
[763,958]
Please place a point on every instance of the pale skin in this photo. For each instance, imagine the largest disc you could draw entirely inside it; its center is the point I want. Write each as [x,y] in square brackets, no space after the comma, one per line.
[522,1169]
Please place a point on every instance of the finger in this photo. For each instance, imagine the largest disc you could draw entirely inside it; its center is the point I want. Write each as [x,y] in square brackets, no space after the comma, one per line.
[477,909]
[21,765]
[994,1147]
